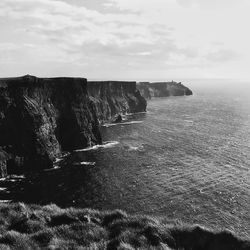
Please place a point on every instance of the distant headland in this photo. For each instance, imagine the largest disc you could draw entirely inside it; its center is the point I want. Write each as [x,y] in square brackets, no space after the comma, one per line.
[163,89]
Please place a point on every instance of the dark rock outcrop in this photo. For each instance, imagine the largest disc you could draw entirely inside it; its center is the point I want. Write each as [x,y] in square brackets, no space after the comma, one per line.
[162,89]
[41,117]
[117,119]
[3,163]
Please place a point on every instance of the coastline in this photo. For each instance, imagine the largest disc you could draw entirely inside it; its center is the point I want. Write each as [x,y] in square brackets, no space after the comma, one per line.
[193,232]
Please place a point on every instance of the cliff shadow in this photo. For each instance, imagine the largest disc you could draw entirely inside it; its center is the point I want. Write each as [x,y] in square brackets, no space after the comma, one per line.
[62,186]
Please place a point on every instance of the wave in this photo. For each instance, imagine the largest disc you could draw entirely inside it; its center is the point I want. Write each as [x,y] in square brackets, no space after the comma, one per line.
[84,163]
[136,148]
[107,125]
[59,160]
[15,178]
[132,148]
[188,121]
[52,169]
[108,144]
[130,114]
[10,179]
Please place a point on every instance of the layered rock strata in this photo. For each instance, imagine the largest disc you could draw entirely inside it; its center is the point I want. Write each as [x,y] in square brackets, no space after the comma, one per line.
[115,97]
[41,117]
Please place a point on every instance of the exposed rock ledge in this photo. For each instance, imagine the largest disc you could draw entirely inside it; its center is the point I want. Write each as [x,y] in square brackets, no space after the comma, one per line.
[162,89]
[41,117]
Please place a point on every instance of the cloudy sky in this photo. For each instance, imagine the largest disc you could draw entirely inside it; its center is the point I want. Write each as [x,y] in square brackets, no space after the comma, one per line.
[125,39]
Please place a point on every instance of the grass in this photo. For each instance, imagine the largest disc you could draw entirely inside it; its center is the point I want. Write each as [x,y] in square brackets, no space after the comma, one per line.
[50,227]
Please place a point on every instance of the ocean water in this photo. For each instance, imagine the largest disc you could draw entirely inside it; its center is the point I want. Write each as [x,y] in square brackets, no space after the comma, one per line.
[187,158]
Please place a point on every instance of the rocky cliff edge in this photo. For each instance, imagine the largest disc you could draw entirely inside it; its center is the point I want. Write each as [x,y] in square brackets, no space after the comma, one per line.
[42,117]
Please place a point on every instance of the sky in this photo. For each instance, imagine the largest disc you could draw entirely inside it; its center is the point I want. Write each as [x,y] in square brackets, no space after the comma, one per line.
[125,39]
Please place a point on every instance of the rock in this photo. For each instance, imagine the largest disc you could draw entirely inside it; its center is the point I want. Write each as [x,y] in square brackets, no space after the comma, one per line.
[3,163]
[143,87]
[115,97]
[162,89]
[42,117]
[118,119]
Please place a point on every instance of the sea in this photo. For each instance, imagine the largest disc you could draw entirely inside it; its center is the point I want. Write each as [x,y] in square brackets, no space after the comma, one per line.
[186,158]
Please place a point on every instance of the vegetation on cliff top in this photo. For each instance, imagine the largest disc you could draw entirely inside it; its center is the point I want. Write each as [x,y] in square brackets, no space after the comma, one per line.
[50,227]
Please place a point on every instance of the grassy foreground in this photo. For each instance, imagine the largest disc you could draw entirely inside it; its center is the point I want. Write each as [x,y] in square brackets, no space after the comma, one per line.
[50,227]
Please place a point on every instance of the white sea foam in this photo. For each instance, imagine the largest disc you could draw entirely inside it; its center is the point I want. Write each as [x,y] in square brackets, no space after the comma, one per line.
[136,148]
[52,169]
[12,178]
[108,144]
[129,114]
[17,176]
[58,160]
[131,148]
[107,125]
[188,121]
[65,155]
[202,191]
[84,163]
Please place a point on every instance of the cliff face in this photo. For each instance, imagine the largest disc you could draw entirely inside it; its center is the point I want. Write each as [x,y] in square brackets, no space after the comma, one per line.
[41,117]
[162,89]
[115,97]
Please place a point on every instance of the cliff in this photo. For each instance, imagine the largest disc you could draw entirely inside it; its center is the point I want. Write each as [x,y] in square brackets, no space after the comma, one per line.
[115,97]
[50,227]
[162,89]
[41,117]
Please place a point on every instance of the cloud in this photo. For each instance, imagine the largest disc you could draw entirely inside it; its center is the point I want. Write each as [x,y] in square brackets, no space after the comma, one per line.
[48,16]
[208,4]
[141,5]
[222,55]
[114,35]
[77,30]
[159,5]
